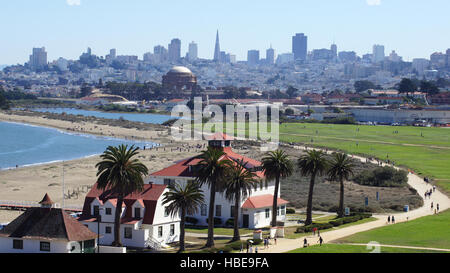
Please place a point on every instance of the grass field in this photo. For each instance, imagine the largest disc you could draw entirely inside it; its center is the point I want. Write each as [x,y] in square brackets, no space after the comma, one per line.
[429,231]
[422,149]
[218,230]
[338,248]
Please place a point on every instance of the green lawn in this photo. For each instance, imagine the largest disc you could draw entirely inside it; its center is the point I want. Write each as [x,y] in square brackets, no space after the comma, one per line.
[422,149]
[338,248]
[429,231]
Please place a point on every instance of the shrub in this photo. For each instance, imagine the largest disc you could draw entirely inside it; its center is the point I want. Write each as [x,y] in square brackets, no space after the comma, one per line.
[191,220]
[256,241]
[217,221]
[290,211]
[237,245]
[229,222]
[383,177]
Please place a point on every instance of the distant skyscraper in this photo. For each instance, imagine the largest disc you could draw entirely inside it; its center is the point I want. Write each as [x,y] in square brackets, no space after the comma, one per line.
[217,48]
[300,46]
[420,65]
[193,52]
[393,57]
[347,56]
[253,57]
[38,59]
[270,55]
[378,53]
[333,49]
[160,54]
[113,53]
[175,50]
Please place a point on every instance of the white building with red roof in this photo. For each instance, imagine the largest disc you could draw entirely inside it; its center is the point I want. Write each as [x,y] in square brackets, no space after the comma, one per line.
[144,221]
[255,210]
[46,229]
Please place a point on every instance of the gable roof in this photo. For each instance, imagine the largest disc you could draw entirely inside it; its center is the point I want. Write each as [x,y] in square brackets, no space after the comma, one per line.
[47,224]
[149,197]
[183,168]
[261,201]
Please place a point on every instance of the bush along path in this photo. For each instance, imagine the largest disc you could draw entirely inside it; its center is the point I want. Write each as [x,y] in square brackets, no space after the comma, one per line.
[416,182]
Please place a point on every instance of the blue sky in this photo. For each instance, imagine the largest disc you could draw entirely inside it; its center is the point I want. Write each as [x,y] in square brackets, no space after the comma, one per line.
[414,28]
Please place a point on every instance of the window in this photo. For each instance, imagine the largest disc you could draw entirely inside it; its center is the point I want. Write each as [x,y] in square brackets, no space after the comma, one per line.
[108,230]
[203,209]
[166,212]
[232,211]
[128,233]
[137,213]
[160,231]
[45,246]
[278,211]
[17,244]
[169,182]
[218,210]
[283,210]
[267,213]
[172,229]
[96,210]
[89,244]
[108,211]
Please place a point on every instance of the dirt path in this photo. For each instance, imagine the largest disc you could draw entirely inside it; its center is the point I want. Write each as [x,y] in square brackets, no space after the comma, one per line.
[284,245]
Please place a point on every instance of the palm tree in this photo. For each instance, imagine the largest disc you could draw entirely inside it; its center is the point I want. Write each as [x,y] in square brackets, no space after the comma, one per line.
[276,165]
[186,200]
[341,167]
[211,171]
[312,163]
[240,182]
[123,175]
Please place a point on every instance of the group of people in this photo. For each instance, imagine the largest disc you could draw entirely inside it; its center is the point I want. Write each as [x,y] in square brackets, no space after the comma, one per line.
[266,242]
[429,192]
[391,219]
[436,210]
[306,244]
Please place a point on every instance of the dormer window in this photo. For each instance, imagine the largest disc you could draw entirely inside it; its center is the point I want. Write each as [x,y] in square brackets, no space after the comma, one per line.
[137,213]
[96,210]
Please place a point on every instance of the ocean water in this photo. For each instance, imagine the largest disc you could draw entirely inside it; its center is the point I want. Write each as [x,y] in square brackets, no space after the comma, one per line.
[25,145]
[147,118]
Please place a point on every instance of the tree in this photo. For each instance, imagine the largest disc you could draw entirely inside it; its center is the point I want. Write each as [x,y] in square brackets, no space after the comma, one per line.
[211,171]
[4,103]
[406,86]
[184,201]
[361,86]
[240,182]
[341,167]
[312,163]
[85,91]
[291,91]
[276,165]
[289,111]
[429,87]
[120,172]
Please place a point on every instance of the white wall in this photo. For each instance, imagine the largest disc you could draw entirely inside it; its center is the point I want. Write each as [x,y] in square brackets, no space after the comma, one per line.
[33,246]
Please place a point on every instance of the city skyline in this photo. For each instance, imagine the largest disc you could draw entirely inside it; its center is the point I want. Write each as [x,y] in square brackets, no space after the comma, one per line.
[323,26]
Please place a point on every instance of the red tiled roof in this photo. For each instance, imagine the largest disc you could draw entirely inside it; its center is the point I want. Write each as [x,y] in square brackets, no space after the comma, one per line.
[220,136]
[182,168]
[149,196]
[262,201]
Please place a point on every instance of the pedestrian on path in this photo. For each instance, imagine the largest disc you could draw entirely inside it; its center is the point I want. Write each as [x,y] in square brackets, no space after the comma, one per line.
[275,240]
[393,219]
[389,219]
[431,206]
[305,243]
[251,249]
[437,207]
[318,232]
[256,250]
[320,240]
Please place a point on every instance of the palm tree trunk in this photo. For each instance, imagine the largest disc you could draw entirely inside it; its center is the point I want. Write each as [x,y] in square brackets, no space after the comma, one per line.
[341,200]
[275,202]
[182,225]
[308,220]
[210,240]
[236,236]
[117,217]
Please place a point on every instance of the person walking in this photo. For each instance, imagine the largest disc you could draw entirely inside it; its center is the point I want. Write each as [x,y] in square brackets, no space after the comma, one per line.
[431,206]
[305,243]
[393,219]
[256,250]
[320,240]
[437,207]
[251,249]
[389,219]
[275,240]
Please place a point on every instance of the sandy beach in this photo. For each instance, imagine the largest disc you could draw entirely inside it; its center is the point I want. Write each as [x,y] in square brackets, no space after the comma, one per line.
[31,183]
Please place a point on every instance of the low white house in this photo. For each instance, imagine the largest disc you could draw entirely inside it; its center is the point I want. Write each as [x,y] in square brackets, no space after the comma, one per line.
[46,229]
[255,210]
[144,220]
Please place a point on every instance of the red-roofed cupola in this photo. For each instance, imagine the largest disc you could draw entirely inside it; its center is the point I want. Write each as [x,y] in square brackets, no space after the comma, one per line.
[220,140]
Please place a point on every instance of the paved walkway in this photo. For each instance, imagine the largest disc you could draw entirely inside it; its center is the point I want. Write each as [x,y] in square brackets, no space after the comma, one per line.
[284,245]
